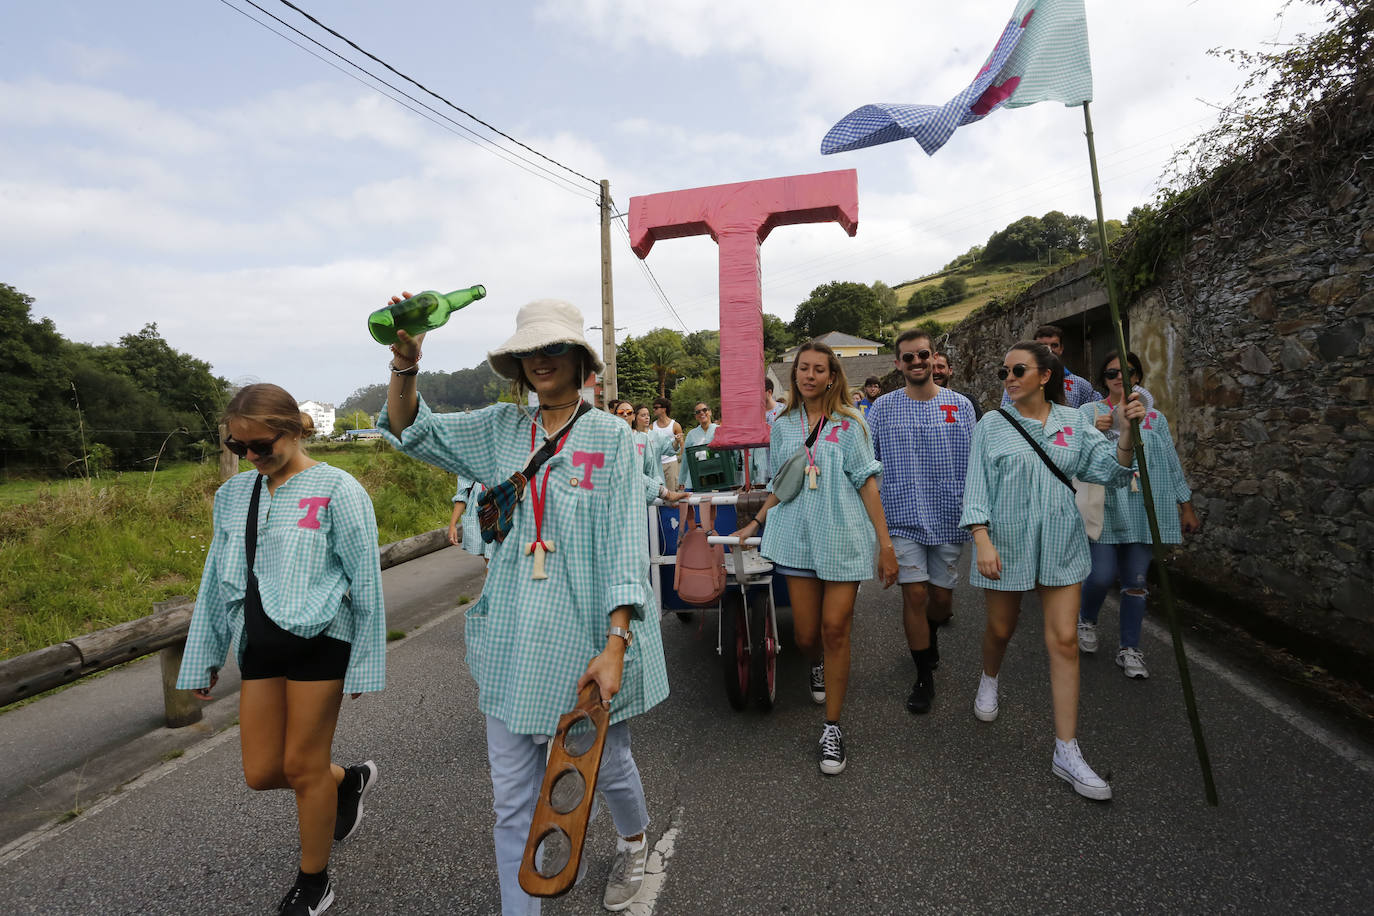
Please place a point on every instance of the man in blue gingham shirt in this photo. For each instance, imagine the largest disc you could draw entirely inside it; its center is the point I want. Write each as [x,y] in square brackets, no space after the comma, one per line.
[1077,390]
[922,435]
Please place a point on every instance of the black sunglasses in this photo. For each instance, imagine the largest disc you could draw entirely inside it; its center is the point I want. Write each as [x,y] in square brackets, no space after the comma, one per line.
[704,410]
[260,447]
[1018,370]
[1111,373]
[922,355]
[556,349]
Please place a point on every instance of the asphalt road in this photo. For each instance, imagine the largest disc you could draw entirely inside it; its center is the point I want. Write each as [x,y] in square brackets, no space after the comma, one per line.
[939,813]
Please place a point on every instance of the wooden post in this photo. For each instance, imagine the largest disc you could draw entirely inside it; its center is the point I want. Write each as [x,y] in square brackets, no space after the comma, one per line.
[228,461]
[181,707]
[608,381]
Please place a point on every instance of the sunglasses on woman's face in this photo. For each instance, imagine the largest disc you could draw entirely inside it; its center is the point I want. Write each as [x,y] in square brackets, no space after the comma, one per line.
[260,447]
[922,355]
[557,349]
[1017,370]
[1112,373]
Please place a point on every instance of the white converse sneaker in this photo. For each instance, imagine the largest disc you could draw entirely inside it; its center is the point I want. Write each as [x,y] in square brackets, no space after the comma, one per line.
[1132,661]
[1070,766]
[818,682]
[985,704]
[1087,637]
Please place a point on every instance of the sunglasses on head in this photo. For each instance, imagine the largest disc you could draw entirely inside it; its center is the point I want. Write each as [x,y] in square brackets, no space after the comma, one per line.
[922,355]
[260,447]
[555,349]
[1111,373]
[1018,370]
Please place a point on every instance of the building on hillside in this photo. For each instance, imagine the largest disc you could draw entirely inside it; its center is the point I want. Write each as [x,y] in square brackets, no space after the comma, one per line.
[844,345]
[321,413]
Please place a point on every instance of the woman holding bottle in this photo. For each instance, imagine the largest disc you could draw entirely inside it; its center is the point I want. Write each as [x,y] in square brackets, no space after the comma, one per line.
[293,580]
[1028,534]
[824,539]
[566,601]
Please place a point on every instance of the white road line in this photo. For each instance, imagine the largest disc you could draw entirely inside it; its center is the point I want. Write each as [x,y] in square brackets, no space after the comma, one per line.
[1279,707]
[656,869]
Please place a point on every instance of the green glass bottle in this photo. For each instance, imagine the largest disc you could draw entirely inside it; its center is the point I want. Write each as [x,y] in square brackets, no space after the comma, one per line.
[418,314]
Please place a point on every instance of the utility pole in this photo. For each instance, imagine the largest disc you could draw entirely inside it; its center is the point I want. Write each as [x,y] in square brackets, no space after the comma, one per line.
[608,383]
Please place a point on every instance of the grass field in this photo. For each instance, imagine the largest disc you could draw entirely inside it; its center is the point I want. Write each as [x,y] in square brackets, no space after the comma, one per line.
[81,555]
[984,285]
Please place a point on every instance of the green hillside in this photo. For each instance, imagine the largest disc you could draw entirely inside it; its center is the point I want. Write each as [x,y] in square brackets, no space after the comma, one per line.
[985,283]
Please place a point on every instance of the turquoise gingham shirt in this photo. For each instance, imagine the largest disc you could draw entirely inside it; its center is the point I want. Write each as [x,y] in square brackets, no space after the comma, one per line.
[826,529]
[649,451]
[1123,511]
[318,569]
[1031,516]
[469,492]
[528,641]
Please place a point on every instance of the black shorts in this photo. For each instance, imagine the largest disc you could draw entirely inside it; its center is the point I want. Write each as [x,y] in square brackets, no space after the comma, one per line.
[270,651]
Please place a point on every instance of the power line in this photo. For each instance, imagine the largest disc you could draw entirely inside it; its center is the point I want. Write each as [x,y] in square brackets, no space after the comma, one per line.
[408,79]
[475,138]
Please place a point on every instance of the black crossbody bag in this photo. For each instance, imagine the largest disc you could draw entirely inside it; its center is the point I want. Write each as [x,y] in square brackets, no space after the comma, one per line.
[1038,450]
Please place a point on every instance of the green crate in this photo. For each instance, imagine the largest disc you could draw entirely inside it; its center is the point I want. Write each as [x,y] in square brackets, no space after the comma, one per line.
[711,469]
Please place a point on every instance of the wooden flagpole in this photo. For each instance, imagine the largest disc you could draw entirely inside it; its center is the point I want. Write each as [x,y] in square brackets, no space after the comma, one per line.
[1170,610]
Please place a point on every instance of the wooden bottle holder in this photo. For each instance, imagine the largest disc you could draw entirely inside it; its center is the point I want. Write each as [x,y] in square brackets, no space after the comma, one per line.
[548,820]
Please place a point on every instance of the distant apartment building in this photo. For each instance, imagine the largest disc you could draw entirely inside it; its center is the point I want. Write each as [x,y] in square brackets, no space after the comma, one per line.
[322,414]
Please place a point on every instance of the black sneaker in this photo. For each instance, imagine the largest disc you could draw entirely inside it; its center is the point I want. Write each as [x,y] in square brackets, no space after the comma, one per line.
[922,692]
[832,750]
[307,899]
[357,780]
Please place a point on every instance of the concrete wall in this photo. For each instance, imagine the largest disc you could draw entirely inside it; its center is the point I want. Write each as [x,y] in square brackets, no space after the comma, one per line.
[1257,343]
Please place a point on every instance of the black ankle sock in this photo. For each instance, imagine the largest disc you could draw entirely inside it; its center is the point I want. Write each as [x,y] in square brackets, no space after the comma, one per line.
[925,662]
[318,879]
[832,721]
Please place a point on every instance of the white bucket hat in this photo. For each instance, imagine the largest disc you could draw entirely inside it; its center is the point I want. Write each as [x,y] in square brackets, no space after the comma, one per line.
[539,324]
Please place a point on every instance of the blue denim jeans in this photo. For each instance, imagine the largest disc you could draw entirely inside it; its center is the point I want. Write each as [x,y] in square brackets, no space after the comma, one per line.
[517,772]
[1126,563]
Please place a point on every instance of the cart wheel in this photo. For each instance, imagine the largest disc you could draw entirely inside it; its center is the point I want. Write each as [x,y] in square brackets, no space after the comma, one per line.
[763,670]
[734,648]
[686,616]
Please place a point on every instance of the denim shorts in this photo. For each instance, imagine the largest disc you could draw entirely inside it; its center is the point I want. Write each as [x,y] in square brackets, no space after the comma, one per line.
[794,572]
[936,564]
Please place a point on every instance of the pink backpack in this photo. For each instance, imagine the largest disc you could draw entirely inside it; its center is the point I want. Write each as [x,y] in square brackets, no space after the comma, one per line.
[700,576]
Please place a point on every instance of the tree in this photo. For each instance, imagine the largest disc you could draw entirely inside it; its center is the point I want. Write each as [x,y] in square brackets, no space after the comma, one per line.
[887,297]
[1017,242]
[1114,231]
[1060,233]
[954,288]
[34,391]
[662,350]
[777,337]
[634,379]
[851,308]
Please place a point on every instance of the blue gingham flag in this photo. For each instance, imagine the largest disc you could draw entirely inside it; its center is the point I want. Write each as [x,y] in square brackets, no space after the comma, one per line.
[1041,55]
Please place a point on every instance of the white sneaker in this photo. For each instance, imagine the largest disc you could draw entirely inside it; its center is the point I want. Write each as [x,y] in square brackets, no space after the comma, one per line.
[1087,637]
[1132,661]
[1070,766]
[985,704]
[818,682]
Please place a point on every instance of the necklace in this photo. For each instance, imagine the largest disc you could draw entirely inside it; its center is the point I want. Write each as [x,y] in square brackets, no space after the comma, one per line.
[560,406]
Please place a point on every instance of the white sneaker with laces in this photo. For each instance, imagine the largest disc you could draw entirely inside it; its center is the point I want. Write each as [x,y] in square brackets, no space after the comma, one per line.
[1132,661]
[985,704]
[1087,637]
[627,873]
[1070,766]
[818,682]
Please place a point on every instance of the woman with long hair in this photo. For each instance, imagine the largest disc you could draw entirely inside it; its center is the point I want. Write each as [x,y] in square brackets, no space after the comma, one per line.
[1123,550]
[824,539]
[293,579]
[1028,534]
[567,601]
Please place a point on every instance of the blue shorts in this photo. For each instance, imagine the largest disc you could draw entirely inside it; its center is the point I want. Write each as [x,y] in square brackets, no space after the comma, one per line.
[794,572]
[936,564]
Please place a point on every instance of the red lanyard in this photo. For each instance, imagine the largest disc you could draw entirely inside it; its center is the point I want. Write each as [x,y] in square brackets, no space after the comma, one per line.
[536,496]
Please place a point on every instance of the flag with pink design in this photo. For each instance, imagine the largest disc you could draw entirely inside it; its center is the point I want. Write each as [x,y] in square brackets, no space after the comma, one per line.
[1042,55]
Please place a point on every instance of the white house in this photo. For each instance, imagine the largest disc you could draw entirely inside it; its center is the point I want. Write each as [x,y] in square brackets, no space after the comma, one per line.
[322,414]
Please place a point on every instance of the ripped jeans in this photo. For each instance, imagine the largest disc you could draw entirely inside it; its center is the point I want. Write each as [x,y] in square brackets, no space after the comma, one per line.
[1128,564]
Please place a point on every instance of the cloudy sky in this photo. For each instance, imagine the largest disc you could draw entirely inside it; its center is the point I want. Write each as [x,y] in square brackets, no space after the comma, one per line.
[179,163]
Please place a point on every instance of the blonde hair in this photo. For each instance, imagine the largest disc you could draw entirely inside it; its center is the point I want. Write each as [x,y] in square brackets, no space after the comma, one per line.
[836,399]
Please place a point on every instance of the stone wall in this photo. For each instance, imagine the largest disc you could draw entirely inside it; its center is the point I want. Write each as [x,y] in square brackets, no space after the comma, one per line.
[1257,343]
